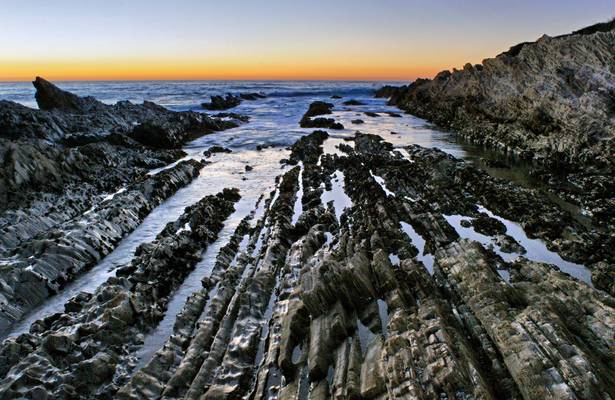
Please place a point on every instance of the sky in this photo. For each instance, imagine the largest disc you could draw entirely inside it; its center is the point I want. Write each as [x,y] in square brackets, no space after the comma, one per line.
[271,39]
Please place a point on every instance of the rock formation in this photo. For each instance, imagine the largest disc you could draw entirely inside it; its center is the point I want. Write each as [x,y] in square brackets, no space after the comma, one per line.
[319,108]
[74,181]
[397,279]
[551,100]
[222,102]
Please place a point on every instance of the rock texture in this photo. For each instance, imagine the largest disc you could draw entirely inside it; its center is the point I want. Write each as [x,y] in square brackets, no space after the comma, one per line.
[369,272]
[319,108]
[74,181]
[551,100]
[39,264]
[357,281]
[84,352]
[222,102]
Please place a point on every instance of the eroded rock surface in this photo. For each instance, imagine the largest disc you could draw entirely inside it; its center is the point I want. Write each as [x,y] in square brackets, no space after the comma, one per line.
[38,266]
[389,282]
[86,351]
[222,102]
[369,272]
[75,179]
[550,101]
[319,108]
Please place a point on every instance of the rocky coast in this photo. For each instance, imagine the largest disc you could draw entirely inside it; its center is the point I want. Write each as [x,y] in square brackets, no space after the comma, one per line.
[75,180]
[378,288]
[371,268]
[550,102]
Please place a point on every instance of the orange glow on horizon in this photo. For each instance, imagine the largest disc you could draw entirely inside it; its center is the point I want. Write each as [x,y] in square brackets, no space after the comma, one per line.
[148,69]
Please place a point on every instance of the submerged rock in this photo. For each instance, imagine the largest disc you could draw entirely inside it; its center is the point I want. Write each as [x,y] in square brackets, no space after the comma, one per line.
[353,102]
[252,96]
[216,149]
[318,108]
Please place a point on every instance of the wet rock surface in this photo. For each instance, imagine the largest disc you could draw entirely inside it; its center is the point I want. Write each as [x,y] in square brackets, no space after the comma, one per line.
[38,266]
[353,102]
[550,101]
[86,351]
[252,96]
[77,176]
[319,108]
[373,272]
[222,102]
[369,272]
[74,140]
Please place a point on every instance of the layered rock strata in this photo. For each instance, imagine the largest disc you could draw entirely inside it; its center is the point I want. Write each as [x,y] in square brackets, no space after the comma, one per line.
[74,179]
[86,351]
[373,273]
[551,101]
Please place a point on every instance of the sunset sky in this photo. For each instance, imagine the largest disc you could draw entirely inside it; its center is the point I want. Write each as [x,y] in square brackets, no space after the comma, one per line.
[271,39]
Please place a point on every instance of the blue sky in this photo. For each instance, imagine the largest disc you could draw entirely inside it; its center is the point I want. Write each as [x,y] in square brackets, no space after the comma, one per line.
[389,37]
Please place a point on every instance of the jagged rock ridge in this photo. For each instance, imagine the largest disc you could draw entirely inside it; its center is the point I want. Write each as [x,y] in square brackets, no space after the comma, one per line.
[552,100]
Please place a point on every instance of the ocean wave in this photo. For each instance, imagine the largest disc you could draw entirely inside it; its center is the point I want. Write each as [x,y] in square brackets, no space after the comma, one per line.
[340,91]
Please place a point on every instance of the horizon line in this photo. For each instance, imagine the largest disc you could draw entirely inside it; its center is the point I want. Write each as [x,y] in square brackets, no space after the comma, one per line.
[212,79]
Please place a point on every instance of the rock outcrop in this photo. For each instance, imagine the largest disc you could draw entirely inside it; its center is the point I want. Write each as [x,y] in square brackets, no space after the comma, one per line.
[373,273]
[81,140]
[551,100]
[222,102]
[74,181]
[369,272]
[37,264]
[319,108]
[84,352]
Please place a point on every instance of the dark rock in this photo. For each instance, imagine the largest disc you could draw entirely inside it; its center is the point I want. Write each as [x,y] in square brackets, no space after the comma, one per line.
[122,309]
[603,276]
[528,100]
[308,148]
[371,114]
[216,149]
[318,108]
[357,121]
[353,102]
[233,116]
[492,163]
[63,252]
[387,91]
[251,96]
[58,343]
[343,303]
[50,97]
[222,102]
[320,123]
[488,226]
